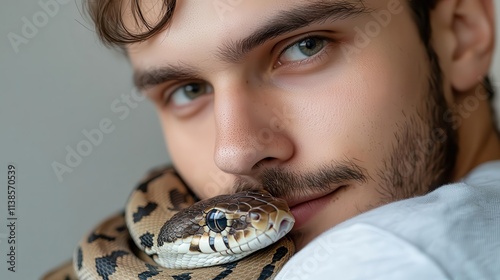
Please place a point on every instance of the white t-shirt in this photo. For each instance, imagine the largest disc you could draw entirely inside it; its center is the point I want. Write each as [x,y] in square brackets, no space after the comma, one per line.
[451,233]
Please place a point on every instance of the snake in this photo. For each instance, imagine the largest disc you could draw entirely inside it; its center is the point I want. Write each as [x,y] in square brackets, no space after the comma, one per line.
[165,232]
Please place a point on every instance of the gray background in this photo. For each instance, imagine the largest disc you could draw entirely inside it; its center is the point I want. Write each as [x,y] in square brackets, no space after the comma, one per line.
[59,83]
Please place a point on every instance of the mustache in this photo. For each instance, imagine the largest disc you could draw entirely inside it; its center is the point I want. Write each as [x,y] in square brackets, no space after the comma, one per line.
[280,182]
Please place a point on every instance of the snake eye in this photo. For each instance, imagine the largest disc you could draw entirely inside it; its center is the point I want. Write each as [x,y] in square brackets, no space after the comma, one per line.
[216,220]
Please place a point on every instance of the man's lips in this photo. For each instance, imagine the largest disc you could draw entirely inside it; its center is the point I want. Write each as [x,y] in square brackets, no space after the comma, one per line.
[304,209]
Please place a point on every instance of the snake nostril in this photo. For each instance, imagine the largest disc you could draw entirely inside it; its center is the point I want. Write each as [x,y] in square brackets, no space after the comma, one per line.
[285,226]
[255,216]
[284,223]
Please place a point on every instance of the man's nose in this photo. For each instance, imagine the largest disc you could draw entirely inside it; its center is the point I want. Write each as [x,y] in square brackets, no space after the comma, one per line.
[247,139]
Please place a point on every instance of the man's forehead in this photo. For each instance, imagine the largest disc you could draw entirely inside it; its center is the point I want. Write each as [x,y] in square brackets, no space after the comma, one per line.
[227,30]
[232,17]
[194,21]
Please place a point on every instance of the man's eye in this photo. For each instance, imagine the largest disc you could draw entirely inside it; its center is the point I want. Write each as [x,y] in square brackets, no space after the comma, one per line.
[303,49]
[188,93]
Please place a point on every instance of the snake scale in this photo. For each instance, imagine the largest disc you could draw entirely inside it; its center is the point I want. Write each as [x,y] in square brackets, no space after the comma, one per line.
[165,234]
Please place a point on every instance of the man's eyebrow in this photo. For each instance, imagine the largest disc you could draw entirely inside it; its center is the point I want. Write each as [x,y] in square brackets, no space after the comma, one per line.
[287,21]
[283,22]
[147,78]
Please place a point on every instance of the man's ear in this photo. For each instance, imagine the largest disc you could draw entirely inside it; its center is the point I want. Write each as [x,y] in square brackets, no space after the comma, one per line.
[472,26]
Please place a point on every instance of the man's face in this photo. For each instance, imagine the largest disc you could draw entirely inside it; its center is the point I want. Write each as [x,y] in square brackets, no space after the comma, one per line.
[324,103]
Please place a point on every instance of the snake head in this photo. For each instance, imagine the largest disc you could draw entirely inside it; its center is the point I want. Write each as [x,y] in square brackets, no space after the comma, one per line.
[223,229]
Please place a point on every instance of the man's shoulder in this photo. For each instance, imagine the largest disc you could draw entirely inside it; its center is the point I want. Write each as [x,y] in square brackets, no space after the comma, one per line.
[361,251]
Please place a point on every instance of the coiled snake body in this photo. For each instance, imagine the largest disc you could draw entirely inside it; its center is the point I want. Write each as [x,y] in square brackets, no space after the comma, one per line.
[164,234]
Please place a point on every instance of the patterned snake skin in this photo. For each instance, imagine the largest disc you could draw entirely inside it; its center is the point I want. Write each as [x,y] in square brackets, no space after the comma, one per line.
[161,213]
